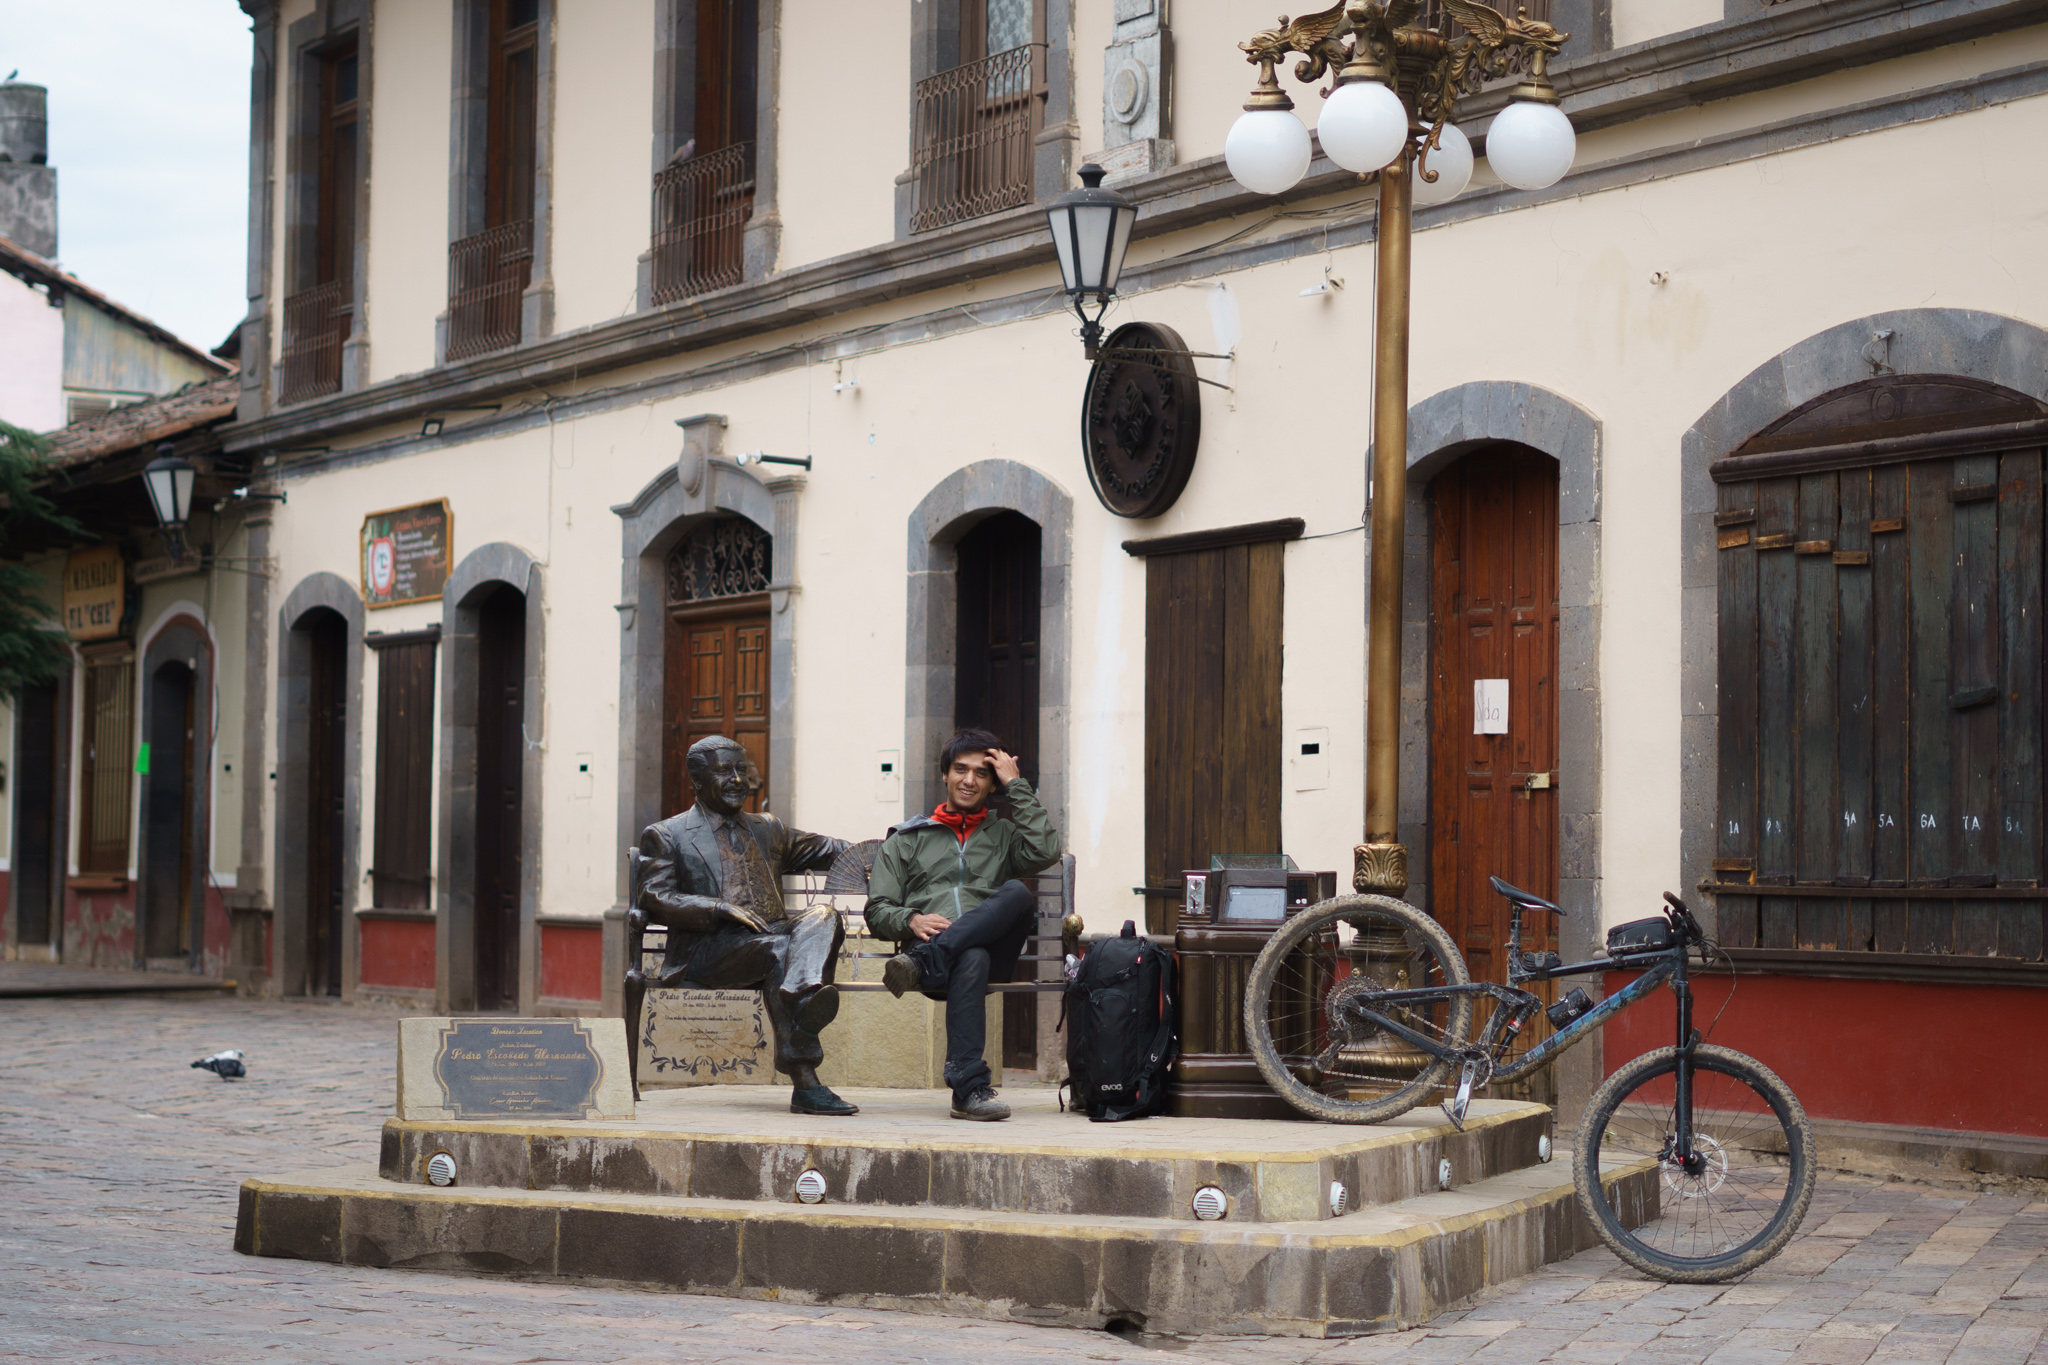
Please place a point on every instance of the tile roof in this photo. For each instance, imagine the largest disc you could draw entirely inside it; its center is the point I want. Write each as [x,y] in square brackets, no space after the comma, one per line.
[137,424]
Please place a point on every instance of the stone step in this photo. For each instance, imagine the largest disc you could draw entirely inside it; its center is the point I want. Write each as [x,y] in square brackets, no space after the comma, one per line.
[742,1143]
[1381,1268]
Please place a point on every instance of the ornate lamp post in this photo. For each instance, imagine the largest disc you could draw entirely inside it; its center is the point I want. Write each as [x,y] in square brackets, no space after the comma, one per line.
[1401,67]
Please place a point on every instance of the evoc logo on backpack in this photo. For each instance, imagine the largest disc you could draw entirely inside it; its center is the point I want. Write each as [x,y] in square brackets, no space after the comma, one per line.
[1119,1017]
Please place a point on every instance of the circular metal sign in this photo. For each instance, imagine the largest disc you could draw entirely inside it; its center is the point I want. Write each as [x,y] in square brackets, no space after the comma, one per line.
[1141,420]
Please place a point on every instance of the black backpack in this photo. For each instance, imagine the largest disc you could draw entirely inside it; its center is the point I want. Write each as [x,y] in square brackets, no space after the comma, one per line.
[1121,1035]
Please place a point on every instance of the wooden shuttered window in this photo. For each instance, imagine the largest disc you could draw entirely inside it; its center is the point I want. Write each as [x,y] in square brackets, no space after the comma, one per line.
[400,871]
[1881,763]
[107,774]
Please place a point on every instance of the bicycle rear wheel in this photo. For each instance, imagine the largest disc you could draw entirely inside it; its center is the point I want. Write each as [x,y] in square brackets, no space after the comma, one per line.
[1749,1187]
[1301,1016]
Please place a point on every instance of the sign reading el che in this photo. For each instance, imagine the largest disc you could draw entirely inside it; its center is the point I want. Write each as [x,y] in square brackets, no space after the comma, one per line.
[405,554]
[93,591]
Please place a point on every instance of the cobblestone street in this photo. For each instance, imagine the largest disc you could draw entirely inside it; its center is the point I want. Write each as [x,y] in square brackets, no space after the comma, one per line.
[117,1204]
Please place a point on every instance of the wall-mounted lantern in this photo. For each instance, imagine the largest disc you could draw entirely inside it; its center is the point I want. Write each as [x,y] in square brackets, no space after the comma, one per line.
[168,480]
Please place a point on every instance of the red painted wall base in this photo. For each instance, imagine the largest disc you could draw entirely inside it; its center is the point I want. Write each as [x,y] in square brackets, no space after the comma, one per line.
[571,962]
[1926,1055]
[397,952]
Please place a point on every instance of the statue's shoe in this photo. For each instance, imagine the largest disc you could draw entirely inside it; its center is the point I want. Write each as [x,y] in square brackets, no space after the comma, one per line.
[818,1009]
[817,1099]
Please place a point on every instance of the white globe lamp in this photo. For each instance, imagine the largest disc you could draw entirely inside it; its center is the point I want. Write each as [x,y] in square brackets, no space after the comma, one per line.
[1531,145]
[1363,126]
[1451,159]
[1267,150]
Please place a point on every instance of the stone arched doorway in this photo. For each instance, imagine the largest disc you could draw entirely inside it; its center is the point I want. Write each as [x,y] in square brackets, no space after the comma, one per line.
[486,948]
[313,948]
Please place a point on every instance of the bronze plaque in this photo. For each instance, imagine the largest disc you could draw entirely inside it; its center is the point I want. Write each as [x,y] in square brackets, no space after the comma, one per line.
[505,1068]
[406,554]
[701,1037]
[1141,420]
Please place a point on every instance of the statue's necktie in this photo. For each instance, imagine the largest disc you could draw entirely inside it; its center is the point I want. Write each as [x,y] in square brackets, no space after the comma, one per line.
[749,882]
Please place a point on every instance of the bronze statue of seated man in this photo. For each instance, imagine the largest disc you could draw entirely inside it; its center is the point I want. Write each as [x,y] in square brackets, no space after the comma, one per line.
[712,877]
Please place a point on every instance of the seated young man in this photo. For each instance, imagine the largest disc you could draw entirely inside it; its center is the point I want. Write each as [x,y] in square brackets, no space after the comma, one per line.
[946,885]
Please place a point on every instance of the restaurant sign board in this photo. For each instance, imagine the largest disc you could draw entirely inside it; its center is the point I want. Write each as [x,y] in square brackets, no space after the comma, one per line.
[405,554]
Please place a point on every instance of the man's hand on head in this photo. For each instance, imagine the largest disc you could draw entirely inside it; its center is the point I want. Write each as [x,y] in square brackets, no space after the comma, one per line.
[927,926]
[1005,765]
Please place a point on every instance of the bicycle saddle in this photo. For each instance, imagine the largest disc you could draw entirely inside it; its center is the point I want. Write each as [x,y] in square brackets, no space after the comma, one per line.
[1521,897]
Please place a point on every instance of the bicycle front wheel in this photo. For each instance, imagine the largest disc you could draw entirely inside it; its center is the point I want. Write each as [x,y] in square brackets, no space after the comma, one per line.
[1302,1008]
[1740,1199]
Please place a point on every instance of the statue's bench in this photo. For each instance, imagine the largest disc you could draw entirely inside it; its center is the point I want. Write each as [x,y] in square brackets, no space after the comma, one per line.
[690,1036]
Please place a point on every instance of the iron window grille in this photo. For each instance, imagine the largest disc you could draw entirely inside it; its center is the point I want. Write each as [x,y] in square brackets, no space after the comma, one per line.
[974,129]
[701,207]
[487,275]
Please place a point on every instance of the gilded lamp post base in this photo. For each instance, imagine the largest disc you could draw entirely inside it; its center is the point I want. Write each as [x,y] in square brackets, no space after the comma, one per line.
[1380,869]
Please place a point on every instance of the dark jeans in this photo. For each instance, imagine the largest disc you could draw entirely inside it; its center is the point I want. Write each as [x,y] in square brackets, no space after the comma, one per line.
[956,966]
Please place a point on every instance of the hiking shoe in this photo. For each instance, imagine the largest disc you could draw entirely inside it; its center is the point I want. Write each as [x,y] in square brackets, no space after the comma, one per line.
[900,974]
[981,1107]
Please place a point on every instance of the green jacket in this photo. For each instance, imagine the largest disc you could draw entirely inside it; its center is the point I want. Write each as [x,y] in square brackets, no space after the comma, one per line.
[923,868]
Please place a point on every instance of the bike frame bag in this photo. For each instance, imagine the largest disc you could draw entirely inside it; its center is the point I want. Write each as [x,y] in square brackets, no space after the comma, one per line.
[1639,936]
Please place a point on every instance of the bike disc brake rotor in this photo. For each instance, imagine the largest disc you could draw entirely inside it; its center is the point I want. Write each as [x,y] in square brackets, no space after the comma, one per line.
[1713,1173]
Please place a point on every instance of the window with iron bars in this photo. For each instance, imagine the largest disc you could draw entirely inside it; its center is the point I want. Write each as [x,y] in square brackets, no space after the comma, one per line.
[319,319]
[488,271]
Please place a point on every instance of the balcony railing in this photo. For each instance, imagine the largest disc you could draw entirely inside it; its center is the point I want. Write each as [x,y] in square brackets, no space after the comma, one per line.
[701,207]
[974,127]
[316,323]
[487,274]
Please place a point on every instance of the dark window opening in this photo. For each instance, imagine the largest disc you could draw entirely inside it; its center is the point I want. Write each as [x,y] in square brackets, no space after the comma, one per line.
[976,121]
[109,744]
[705,195]
[319,317]
[1881,764]
[488,271]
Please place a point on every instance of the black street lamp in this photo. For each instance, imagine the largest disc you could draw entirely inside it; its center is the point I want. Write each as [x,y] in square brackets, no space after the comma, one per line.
[169,482]
[1091,227]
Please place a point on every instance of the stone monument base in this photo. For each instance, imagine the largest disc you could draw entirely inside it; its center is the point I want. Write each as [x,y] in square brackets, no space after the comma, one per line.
[699,1037]
[1046,1218]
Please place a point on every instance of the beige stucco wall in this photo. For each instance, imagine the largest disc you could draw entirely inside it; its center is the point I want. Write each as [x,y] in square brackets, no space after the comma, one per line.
[602,189]
[408,167]
[1569,306]
[1638,21]
[844,126]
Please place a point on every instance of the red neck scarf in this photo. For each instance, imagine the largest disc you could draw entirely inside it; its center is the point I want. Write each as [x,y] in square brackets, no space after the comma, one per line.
[961,822]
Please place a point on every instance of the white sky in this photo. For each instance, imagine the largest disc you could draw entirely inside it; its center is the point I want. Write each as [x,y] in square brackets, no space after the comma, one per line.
[149,132]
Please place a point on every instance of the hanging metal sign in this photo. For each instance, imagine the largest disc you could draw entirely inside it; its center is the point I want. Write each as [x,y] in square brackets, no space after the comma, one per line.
[1141,421]
[95,584]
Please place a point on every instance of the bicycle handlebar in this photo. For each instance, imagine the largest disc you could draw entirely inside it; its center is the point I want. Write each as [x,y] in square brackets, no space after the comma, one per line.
[1682,913]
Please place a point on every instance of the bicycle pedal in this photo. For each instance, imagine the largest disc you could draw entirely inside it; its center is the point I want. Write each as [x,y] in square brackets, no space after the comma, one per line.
[1455,1107]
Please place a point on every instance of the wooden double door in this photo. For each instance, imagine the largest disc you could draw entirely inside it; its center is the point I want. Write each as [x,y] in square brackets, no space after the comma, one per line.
[1493,622]
[714,682]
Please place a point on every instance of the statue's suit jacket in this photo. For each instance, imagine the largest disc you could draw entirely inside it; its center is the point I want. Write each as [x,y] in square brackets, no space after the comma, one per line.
[684,873]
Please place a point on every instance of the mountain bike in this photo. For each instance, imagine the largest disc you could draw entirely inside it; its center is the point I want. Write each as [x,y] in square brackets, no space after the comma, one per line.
[1360,1008]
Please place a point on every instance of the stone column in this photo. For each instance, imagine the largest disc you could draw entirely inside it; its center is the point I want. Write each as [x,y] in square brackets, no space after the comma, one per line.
[249,905]
[782,590]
